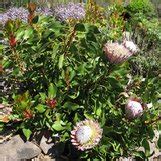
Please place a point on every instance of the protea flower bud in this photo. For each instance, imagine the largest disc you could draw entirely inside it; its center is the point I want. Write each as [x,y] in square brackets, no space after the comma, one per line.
[86,135]
[133,108]
[118,53]
[28,114]
[12,41]
[51,103]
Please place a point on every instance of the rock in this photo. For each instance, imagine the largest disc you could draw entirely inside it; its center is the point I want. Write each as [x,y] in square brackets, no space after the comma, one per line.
[42,157]
[2,158]
[51,148]
[8,149]
[16,149]
[46,144]
[28,151]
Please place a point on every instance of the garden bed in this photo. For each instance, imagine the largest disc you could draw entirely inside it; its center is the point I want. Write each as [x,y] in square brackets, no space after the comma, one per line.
[80,82]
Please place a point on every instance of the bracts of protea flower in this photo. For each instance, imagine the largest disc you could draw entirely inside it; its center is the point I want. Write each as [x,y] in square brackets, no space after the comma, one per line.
[134,108]
[86,135]
[118,53]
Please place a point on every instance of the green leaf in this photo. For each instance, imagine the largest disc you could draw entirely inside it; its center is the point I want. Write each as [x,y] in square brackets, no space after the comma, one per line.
[57,126]
[43,97]
[1,34]
[28,33]
[27,133]
[93,29]
[146,146]
[24,105]
[98,112]
[1,126]
[55,50]
[35,19]
[1,47]
[20,34]
[88,116]
[159,142]
[52,90]
[9,26]
[47,113]
[91,37]
[71,106]
[108,130]
[140,154]
[61,60]
[75,95]
[16,71]
[80,27]
[7,64]
[41,108]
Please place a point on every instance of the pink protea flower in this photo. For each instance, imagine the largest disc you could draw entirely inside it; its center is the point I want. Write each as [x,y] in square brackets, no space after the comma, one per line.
[86,134]
[133,108]
[118,53]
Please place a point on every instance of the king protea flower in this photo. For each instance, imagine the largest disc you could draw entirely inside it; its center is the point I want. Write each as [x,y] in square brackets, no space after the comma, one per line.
[133,108]
[86,135]
[118,53]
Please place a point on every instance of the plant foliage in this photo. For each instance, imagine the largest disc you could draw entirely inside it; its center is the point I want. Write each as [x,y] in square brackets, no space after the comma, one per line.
[60,76]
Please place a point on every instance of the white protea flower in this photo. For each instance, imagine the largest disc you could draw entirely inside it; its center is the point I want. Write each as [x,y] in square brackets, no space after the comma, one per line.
[86,135]
[116,53]
[131,46]
[133,108]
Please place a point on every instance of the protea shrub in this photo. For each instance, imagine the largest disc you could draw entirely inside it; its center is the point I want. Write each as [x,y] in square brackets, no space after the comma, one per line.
[118,53]
[133,108]
[86,134]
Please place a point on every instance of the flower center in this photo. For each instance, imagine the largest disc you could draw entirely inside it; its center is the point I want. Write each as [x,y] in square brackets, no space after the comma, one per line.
[83,134]
[134,104]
